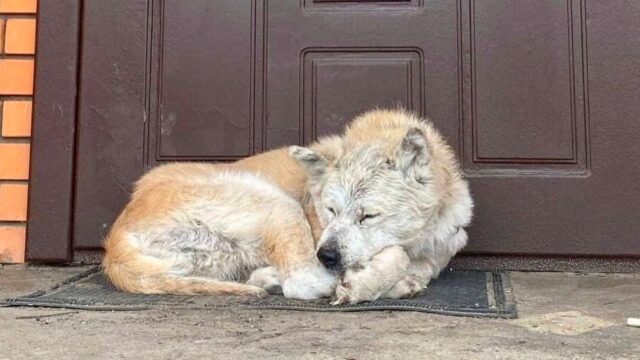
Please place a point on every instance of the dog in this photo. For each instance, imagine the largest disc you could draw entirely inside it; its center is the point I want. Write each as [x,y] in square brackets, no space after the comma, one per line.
[263,224]
[393,205]
[244,228]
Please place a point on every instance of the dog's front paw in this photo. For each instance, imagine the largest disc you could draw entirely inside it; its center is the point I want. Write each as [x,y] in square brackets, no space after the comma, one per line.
[408,287]
[342,295]
[309,283]
[353,289]
[268,278]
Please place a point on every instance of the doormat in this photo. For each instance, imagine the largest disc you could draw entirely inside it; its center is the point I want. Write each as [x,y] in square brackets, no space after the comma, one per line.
[459,293]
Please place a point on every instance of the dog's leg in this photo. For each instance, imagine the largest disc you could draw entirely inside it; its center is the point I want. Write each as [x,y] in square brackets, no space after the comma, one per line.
[422,271]
[418,276]
[268,278]
[374,278]
[289,247]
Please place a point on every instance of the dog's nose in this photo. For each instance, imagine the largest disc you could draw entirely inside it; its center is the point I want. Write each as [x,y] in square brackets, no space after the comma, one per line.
[329,257]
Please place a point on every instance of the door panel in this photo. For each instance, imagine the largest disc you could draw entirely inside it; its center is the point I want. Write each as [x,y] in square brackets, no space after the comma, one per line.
[523,70]
[535,194]
[332,84]
[537,97]
[204,80]
[524,103]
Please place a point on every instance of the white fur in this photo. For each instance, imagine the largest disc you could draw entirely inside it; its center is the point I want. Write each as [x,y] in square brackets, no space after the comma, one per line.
[395,184]
[311,282]
[268,278]
[375,278]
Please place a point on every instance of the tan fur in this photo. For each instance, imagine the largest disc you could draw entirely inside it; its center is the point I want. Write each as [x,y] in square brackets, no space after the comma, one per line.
[390,127]
[287,240]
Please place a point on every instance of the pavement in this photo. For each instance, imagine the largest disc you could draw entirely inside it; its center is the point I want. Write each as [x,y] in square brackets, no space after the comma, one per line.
[562,316]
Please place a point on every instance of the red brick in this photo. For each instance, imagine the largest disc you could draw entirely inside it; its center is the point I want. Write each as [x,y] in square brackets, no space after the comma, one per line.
[16,118]
[16,77]
[20,36]
[14,161]
[12,244]
[13,202]
[18,6]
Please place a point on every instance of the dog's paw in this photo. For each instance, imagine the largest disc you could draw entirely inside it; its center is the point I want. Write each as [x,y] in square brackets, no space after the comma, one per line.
[354,288]
[268,278]
[309,283]
[344,295]
[255,291]
[408,287]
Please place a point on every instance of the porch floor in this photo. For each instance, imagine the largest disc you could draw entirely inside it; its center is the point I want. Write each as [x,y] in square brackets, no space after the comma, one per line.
[562,315]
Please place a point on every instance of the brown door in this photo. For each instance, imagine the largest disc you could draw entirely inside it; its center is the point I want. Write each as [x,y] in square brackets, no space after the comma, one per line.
[546,130]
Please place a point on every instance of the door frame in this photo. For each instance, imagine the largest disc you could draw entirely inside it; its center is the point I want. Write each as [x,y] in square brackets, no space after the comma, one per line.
[51,178]
[53,157]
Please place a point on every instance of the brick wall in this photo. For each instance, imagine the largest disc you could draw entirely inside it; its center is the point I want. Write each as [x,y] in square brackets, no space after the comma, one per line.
[17,46]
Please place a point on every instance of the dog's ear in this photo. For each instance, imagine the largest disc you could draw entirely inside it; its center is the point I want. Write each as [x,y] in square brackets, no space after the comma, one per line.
[313,162]
[413,155]
[318,157]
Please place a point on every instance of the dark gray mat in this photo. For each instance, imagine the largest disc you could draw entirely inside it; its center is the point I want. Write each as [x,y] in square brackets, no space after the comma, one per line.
[461,293]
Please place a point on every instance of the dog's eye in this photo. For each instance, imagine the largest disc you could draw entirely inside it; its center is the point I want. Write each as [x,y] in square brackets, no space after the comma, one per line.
[368,217]
[332,211]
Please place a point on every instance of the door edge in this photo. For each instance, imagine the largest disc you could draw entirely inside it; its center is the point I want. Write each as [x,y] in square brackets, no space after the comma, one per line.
[51,178]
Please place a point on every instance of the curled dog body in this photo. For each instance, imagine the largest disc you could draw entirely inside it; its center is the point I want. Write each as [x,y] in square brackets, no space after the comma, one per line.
[235,229]
[383,207]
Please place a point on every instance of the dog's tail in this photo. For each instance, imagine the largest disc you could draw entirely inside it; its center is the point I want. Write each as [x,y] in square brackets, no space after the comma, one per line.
[124,277]
[131,271]
[192,285]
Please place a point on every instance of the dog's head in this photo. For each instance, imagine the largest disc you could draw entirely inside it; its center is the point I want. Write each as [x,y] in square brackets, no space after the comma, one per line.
[369,197]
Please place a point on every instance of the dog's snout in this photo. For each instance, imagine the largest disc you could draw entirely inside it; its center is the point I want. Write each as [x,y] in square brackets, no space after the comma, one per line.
[329,257]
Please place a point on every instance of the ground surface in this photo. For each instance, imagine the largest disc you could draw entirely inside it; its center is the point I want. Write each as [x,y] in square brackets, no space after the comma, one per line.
[562,316]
